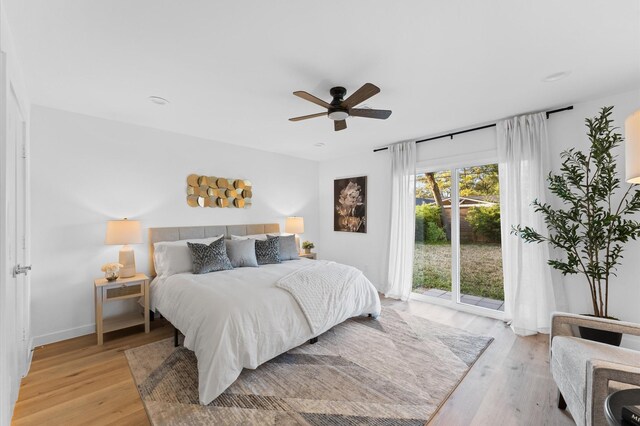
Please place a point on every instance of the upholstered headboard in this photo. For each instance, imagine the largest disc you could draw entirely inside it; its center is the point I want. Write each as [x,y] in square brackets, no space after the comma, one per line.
[157,235]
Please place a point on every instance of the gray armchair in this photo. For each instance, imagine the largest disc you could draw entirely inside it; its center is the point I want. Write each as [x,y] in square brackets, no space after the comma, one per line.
[585,371]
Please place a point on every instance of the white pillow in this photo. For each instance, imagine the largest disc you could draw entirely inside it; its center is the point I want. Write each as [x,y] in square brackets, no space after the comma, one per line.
[262,237]
[174,257]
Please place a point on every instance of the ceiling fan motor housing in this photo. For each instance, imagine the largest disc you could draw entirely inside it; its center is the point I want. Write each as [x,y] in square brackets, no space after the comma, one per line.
[338,93]
[337,112]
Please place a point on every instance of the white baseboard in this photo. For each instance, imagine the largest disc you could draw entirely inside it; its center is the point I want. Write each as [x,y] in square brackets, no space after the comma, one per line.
[57,336]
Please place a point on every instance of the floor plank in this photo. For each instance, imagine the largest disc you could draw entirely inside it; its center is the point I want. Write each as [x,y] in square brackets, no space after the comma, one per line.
[77,382]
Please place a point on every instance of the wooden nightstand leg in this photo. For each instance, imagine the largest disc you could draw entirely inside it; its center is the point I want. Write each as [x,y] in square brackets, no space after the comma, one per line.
[98,294]
[147,324]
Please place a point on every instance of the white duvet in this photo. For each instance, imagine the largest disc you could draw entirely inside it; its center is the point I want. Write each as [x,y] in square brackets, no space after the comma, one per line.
[240,319]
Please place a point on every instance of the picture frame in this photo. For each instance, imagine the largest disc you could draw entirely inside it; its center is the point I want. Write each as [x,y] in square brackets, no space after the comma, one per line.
[350,204]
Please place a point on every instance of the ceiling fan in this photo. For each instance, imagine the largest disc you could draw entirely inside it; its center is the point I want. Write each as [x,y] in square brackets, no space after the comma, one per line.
[338,110]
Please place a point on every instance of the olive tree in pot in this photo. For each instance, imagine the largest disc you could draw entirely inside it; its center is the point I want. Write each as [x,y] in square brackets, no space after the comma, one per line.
[593,225]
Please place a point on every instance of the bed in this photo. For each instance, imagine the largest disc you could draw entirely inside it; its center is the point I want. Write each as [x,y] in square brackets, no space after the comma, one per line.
[244,317]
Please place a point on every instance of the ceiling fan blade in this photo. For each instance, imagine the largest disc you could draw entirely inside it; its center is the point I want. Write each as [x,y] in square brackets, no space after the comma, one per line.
[361,95]
[381,114]
[306,117]
[339,125]
[309,97]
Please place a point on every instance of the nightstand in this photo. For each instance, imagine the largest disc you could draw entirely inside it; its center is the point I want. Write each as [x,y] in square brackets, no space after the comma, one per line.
[121,289]
[308,255]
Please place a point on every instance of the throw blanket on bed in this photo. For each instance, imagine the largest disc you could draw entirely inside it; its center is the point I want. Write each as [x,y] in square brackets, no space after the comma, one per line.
[321,290]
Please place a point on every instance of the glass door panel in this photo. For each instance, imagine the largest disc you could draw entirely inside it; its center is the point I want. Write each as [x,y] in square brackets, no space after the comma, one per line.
[432,257]
[480,251]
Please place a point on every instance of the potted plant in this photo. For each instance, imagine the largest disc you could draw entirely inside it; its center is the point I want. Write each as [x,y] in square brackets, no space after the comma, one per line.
[307,246]
[593,224]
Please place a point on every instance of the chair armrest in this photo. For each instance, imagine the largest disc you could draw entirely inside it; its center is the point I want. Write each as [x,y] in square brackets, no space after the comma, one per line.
[561,322]
[599,374]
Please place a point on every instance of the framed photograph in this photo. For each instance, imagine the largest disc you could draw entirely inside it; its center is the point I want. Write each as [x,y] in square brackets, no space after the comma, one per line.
[350,204]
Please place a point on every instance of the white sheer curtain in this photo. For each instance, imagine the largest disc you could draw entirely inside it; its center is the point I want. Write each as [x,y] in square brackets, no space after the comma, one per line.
[402,235]
[523,164]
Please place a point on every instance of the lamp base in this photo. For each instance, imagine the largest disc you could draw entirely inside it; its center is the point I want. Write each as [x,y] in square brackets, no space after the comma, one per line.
[128,261]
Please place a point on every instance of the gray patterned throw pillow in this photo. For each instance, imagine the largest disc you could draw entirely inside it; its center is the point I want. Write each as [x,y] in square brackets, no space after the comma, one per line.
[288,247]
[268,251]
[209,258]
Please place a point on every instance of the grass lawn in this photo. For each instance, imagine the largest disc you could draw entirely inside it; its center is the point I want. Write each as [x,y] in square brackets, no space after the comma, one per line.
[480,269]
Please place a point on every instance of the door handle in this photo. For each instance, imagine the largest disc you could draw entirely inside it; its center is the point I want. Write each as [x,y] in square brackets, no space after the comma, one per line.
[19,269]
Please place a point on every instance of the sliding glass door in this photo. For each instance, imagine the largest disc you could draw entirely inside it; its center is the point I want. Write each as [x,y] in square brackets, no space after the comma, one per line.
[458,257]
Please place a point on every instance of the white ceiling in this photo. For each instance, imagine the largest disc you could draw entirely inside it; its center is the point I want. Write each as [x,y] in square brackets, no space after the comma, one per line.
[228,68]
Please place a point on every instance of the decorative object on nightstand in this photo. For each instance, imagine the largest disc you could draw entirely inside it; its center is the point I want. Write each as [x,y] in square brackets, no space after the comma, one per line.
[307,246]
[295,225]
[125,232]
[111,271]
[121,289]
[309,255]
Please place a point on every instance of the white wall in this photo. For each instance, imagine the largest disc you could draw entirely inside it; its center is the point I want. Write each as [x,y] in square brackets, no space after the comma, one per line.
[86,171]
[368,252]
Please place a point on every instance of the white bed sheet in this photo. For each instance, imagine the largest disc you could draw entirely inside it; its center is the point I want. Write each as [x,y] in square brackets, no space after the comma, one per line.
[239,319]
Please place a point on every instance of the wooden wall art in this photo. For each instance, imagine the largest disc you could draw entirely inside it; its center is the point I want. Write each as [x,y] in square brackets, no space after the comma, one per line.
[211,191]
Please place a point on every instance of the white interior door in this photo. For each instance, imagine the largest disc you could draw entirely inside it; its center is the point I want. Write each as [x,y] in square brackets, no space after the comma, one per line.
[19,192]
[15,341]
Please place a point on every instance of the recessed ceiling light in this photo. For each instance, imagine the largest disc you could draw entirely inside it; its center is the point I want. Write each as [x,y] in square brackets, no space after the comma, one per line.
[556,76]
[158,100]
[319,144]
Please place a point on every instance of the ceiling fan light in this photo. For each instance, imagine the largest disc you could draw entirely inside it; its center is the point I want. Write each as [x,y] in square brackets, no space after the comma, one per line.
[338,115]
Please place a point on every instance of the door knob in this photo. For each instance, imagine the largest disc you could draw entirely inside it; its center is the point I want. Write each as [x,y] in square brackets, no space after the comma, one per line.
[19,269]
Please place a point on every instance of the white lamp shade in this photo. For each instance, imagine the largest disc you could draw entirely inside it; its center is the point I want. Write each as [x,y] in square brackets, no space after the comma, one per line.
[294,225]
[632,147]
[122,232]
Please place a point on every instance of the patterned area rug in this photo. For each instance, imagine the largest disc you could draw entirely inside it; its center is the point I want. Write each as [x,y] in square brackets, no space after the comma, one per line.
[396,370]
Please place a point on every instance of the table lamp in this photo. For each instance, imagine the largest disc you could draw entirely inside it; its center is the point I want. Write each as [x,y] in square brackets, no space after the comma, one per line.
[295,225]
[125,232]
[632,147]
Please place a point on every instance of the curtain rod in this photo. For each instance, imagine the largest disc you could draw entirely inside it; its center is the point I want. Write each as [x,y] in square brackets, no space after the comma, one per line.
[452,134]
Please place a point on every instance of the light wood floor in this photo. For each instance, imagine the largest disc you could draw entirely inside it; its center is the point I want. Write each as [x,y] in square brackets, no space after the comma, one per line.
[510,384]
[77,382]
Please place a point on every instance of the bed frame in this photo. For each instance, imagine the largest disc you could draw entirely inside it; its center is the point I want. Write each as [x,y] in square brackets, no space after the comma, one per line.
[157,235]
